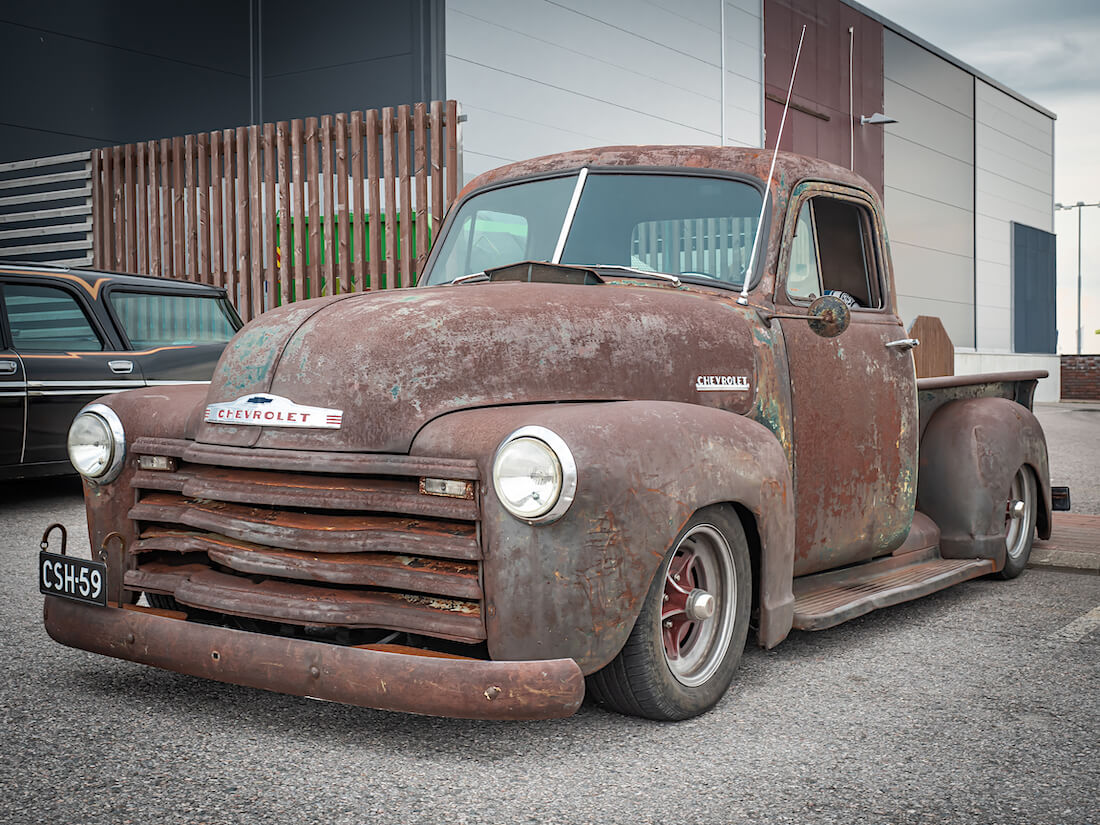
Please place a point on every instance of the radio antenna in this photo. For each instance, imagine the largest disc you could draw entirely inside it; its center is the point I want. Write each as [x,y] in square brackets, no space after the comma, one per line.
[743,300]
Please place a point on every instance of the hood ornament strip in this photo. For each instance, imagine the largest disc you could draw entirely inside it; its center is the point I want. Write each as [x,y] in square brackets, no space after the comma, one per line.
[265,410]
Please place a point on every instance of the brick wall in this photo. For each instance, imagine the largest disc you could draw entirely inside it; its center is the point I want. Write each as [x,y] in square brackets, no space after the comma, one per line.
[1081,377]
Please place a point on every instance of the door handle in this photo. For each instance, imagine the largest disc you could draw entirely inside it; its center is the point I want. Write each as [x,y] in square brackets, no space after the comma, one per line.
[903,344]
[8,367]
[121,367]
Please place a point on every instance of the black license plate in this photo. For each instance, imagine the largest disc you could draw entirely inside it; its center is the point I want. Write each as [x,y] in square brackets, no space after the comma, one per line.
[72,578]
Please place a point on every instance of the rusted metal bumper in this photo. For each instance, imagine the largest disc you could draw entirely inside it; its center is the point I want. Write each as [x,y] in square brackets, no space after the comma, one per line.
[431,685]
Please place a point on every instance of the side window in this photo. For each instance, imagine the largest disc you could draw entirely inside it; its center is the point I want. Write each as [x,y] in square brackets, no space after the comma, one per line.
[45,318]
[846,251]
[803,277]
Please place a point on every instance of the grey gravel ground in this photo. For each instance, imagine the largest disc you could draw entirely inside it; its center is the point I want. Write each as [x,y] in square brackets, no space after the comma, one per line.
[974,705]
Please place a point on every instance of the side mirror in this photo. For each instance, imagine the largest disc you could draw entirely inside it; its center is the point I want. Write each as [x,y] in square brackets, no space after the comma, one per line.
[829,316]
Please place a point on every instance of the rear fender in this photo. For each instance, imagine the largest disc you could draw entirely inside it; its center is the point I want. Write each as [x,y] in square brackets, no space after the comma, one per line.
[574,588]
[969,453]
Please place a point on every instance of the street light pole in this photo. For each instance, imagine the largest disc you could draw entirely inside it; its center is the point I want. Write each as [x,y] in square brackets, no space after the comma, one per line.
[1078,206]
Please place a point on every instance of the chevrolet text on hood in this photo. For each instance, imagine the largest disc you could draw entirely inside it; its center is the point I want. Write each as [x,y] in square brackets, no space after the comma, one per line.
[569,463]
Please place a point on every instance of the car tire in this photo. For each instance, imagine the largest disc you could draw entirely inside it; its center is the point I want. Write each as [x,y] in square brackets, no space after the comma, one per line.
[1021,510]
[681,655]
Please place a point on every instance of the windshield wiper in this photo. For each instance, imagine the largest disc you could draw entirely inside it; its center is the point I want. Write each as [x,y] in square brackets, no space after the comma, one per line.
[672,278]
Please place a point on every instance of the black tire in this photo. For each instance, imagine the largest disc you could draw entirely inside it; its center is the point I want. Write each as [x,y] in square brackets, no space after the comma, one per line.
[674,664]
[1021,513]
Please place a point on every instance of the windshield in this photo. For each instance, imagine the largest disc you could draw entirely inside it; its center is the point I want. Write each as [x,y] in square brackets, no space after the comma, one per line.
[680,224]
[150,320]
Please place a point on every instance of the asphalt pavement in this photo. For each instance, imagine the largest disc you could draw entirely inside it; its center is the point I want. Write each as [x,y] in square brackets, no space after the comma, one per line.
[979,704]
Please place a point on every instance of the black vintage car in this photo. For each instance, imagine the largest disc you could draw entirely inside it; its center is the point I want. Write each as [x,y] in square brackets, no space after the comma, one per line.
[68,336]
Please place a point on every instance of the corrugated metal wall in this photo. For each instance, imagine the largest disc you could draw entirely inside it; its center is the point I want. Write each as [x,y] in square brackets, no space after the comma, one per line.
[573,74]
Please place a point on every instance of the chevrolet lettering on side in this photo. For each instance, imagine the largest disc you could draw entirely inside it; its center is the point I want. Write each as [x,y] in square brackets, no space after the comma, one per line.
[622,427]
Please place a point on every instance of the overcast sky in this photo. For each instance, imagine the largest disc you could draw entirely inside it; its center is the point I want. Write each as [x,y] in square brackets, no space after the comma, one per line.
[1048,52]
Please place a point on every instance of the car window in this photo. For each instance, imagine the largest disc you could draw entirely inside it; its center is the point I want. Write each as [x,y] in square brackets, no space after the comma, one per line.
[803,277]
[150,319]
[48,319]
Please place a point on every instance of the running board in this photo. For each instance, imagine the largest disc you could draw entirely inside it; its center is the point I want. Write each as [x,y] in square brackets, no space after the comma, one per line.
[827,599]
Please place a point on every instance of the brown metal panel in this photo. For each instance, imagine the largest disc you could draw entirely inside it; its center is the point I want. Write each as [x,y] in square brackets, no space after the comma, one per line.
[255,220]
[270,286]
[191,221]
[118,209]
[420,165]
[819,122]
[285,275]
[406,268]
[141,218]
[129,208]
[390,208]
[341,226]
[357,207]
[374,249]
[161,206]
[179,238]
[314,176]
[452,153]
[217,232]
[328,221]
[244,256]
[202,210]
[298,211]
[438,143]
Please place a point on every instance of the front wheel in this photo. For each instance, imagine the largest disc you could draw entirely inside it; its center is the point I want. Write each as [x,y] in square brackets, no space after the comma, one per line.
[1021,507]
[681,655]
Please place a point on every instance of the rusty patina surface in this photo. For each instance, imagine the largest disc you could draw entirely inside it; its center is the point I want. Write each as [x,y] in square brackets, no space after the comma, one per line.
[328,545]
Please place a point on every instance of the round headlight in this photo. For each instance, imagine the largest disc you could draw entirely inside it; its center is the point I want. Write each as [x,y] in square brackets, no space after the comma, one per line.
[96,443]
[534,474]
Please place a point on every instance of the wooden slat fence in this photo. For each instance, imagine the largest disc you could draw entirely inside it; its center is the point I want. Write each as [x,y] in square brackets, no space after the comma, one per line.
[46,210]
[282,211]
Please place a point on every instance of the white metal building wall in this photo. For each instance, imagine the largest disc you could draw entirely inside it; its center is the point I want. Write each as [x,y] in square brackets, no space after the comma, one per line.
[1015,182]
[536,76]
[929,185]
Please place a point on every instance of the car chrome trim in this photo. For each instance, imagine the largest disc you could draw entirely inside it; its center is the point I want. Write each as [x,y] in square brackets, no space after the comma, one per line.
[118,435]
[558,446]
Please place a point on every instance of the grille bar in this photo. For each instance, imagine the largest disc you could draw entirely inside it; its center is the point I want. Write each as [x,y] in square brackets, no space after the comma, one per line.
[389,570]
[313,532]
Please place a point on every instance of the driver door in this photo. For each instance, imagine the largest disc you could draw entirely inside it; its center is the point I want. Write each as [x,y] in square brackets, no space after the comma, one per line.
[853,396]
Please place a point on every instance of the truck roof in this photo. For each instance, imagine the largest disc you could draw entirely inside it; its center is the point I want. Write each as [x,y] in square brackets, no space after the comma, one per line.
[790,167]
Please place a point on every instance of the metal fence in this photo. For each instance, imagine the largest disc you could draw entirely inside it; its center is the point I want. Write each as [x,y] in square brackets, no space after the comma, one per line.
[46,210]
[282,211]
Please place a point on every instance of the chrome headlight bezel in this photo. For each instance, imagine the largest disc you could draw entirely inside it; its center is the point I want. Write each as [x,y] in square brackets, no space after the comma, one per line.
[113,425]
[566,471]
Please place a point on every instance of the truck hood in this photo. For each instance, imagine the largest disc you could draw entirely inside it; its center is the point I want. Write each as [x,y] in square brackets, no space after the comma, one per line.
[390,362]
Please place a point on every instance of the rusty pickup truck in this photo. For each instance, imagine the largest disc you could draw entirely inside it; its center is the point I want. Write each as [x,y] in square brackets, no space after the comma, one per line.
[639,408]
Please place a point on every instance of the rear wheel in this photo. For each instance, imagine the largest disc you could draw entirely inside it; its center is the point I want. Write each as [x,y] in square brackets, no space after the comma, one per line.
[682,653]
[1021,507]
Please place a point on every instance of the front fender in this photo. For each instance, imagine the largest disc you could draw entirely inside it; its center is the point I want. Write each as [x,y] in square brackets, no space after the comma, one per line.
[969,453]
[574,588]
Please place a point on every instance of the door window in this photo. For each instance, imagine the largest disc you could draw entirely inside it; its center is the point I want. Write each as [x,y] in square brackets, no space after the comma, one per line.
[834,253]
[45,318]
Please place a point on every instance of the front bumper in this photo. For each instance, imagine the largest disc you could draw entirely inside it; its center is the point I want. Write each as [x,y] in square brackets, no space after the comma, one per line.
[397,681]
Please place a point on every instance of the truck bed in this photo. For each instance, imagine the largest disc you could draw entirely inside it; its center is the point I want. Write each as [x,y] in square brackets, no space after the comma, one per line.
[933,393]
